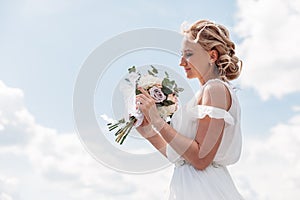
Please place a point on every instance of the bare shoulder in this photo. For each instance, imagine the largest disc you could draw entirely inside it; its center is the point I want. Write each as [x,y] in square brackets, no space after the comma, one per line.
[216,93]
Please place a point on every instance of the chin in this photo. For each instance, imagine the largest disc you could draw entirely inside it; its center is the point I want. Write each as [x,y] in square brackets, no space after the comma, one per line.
[190,76]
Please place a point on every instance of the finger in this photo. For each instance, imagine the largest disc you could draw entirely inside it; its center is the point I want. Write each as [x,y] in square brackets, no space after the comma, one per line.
[141,98]
[139,95]
[144,92]
[141,102]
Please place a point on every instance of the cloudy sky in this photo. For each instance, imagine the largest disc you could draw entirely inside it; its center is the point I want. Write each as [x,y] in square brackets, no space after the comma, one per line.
[43,46]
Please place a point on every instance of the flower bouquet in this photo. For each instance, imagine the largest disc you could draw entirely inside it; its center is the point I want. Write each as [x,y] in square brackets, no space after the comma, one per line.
[163,90]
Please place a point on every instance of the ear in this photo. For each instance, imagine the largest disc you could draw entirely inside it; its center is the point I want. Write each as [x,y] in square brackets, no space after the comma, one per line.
[214,55]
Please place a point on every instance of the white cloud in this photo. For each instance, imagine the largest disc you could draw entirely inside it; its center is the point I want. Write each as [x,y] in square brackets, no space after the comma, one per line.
[269,166]
[57,164]
[14,117]
[296,108]
[8,188]
[270,46]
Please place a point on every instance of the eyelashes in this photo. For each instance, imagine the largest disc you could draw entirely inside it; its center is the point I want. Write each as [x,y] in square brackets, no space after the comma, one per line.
[186,55]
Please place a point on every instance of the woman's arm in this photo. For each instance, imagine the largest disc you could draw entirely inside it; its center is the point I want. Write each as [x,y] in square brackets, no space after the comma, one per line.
[201,151]
[153,137]
[159,143]
[190,149]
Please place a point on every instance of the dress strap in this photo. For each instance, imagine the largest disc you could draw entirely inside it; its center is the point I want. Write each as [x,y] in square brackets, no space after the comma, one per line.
[200,111]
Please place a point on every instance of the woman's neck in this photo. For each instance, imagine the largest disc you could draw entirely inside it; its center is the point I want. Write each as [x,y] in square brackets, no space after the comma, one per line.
[210,76]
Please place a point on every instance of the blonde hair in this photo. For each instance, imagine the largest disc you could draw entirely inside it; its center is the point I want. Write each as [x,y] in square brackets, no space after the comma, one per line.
[213,36]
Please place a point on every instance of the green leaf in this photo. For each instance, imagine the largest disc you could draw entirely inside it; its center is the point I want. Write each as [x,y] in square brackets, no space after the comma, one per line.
[167,102]
[167,75]
[151,73]
[166,90]
[160,104]
[154,70]
[180,89]
[165,82]
[137,92]
[122,120]
[172,83]
[132,69]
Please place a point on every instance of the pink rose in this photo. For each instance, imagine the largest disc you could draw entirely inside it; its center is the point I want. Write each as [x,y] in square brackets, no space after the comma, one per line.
[157,94]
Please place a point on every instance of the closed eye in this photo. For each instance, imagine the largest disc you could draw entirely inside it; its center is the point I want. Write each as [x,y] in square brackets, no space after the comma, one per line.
[188,55]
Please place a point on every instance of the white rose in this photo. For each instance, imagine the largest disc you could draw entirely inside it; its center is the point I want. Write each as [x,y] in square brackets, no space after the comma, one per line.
[147,81]
[171,108]
[163,112]
[166,111]
[133,77]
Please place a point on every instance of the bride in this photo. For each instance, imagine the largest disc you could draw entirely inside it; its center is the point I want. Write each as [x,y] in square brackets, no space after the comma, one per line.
[204,135]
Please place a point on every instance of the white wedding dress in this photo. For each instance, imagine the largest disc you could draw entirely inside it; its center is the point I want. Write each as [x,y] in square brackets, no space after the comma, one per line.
[214,182]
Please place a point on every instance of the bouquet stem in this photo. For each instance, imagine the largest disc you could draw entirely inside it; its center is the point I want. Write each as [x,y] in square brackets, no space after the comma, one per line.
[124,131]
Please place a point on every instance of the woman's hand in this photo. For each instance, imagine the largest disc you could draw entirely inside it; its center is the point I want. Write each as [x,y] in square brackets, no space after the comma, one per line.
[145,129]
[148,107]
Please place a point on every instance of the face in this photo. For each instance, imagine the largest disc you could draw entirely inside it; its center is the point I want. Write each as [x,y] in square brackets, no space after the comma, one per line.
[195,59]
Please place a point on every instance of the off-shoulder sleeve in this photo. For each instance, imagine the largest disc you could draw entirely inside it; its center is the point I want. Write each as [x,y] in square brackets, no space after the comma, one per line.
[200,111]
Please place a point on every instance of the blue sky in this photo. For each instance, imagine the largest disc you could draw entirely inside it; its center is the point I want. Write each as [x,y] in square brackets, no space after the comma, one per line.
[44,44]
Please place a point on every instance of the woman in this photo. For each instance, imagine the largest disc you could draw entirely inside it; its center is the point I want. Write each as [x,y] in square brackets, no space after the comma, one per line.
[204,136]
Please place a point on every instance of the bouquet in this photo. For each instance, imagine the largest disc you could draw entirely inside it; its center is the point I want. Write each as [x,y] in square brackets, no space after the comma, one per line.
[163,90]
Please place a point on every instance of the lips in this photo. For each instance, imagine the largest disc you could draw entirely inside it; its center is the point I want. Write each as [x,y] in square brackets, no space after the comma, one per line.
[187,69]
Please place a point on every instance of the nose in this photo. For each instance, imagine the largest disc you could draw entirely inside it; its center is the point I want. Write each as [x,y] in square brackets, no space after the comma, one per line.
[183,62]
